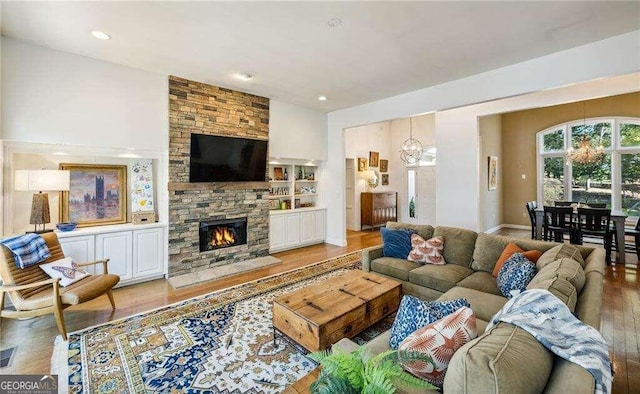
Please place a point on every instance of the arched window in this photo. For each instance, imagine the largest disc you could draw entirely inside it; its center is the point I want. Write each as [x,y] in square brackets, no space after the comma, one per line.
[614,181]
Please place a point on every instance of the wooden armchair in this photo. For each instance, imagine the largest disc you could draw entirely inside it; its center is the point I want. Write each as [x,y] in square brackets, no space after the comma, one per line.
[34,293]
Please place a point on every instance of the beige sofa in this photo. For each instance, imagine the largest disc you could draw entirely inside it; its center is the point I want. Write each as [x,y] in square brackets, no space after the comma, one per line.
[507,359]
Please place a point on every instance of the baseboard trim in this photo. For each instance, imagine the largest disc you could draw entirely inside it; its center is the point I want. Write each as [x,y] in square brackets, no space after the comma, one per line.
[493,230]
[516,226]
[337,242]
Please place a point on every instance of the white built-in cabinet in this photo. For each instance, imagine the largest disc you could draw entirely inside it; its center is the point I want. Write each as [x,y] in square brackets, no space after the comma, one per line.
[136,252]
[289,229]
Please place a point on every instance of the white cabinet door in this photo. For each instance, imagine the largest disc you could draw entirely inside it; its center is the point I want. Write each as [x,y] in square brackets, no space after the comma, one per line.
[80,249]
[319,229]
[148,252]
[292,232]
[307,226]
[276,232]
[118,248]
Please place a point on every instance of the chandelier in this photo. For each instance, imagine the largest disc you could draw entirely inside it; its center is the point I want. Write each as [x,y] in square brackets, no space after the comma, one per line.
[411,151]
[586,152]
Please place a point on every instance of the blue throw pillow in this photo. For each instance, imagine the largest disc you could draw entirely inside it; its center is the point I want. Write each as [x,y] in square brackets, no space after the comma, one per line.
[396,242]
[515,275]
[414,313]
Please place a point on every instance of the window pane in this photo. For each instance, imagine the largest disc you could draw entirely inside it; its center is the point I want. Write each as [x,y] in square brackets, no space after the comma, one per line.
[553,182]
[600,134]
[553,140]
[629,134]
[630,169]
[591,183]
[411,192]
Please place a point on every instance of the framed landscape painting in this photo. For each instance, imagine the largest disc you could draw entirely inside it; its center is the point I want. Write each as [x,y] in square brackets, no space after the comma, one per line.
[97,195]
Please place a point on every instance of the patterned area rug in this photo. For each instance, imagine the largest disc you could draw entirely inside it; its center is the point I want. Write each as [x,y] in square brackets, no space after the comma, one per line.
[217,343]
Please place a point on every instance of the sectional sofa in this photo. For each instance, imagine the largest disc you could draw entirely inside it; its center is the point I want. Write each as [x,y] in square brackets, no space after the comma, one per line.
[507,359]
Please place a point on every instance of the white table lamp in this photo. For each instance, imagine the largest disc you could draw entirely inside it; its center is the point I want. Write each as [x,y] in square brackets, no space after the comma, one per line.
[41,181]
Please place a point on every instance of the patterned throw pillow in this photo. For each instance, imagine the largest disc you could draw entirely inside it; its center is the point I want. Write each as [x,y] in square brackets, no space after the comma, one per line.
[414,313]
[509,250]
[396,242]
[427,252]
[65,269]
[515,275]
[439,340]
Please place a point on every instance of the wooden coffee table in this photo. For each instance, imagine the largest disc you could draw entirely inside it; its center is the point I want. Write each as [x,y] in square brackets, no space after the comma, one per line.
[319,315]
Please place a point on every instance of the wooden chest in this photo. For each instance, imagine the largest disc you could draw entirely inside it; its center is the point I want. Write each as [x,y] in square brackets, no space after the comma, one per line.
[320,315]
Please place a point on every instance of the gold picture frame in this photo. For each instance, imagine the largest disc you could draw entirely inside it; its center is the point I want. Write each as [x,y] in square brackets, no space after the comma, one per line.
[97,194]
[385,179]
[384,165]
[373,159]
[362,163]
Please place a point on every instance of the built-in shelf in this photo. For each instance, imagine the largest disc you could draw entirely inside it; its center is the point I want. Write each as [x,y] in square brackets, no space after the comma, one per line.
[300,177]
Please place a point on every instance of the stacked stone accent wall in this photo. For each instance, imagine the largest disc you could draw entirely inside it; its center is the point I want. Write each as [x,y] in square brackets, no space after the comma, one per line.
[196,107]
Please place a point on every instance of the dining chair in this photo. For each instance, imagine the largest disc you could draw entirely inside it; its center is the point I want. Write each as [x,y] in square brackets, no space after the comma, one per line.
[564,203]
[631,231]
[531,209]
[558,221]
[595,222]
[595,205]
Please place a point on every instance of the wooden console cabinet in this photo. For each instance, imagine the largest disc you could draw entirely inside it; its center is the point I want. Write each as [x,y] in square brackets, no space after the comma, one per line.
[376,209]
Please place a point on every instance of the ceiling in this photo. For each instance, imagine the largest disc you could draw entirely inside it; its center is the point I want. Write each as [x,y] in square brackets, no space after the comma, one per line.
[379,50]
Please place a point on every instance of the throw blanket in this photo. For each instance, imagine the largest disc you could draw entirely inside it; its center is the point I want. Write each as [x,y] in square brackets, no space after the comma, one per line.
[27,249]
[544,316]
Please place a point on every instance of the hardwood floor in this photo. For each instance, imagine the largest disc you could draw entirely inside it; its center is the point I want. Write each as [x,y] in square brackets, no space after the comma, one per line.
[34,338]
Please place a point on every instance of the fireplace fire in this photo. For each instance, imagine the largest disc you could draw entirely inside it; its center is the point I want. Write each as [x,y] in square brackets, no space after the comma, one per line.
[216,234]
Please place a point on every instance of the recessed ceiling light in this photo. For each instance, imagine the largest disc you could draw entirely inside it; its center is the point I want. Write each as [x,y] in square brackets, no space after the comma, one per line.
[334,22]
[100,35]
[322,98]
[243,76]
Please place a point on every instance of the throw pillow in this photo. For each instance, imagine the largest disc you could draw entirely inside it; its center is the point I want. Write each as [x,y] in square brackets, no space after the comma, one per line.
[65,269]
[439,340]
[427,252]
[509,250]
[414,313]
[396,243]
[515,275]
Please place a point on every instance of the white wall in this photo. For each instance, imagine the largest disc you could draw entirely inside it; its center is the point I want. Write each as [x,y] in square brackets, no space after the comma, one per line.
[296,132]
[50,96]
[457,171]
[358,142]
[490,129]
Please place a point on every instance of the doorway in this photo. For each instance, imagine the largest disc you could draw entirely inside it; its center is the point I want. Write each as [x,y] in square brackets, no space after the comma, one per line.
[421,195]
[350,193]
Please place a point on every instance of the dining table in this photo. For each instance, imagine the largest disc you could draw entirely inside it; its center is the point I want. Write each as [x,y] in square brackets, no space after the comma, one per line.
[617,217]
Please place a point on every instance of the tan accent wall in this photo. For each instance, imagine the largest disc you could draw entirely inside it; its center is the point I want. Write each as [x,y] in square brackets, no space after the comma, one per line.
[490,145]
[519,144]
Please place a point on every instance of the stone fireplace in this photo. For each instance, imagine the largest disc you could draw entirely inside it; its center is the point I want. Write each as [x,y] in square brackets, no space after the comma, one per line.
[196,107]
[216,234]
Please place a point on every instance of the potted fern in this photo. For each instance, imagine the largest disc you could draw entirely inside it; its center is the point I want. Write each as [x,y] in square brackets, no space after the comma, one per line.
[359,372]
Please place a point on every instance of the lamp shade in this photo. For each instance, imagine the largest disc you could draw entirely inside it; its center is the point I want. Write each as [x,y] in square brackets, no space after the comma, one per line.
[41,180]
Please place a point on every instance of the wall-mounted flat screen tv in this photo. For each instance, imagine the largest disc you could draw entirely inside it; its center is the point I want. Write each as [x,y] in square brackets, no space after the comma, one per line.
[227,159]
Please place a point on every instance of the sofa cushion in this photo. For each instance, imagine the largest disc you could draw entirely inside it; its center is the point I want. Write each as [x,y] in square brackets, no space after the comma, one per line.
[459,244]
[423,230]
[484,305]
[439,277]
[506,359]
[396,268]
[489,247]
[427,251]
[396,243]
[566,268]
[509,250]
[558,252]
[439,340]
[414,313]
[481,281]
[515,275]
[560,288]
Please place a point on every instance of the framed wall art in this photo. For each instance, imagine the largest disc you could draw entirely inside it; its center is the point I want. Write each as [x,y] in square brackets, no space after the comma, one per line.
[278,175]
[385,179]
[493,173]
[97,194]
[373,159]
[384,165]
[362,163]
